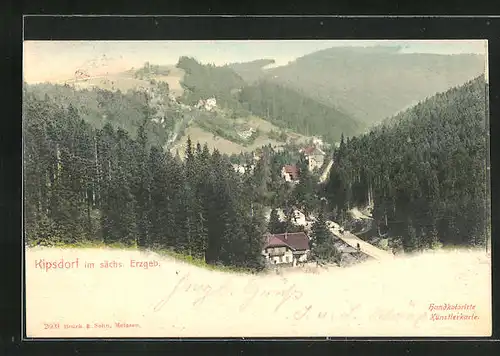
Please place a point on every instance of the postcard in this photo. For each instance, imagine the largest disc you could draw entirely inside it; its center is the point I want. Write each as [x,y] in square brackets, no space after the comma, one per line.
[201,189]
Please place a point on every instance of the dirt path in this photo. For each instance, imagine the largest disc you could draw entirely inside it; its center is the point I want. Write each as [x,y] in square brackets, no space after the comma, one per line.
[326,173]
[357,214]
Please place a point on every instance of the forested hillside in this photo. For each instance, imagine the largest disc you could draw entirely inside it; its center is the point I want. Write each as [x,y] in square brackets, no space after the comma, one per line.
[277,104]
[425,173]
[122,110]
[95,169]
[87,184]
[170,121]
[374,82]
[286,108]
[208,81]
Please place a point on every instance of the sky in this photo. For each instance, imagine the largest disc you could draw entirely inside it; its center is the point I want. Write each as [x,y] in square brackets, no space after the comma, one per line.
[58,60]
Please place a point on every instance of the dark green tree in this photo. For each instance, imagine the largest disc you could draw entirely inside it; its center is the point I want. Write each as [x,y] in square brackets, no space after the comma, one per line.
[276,226]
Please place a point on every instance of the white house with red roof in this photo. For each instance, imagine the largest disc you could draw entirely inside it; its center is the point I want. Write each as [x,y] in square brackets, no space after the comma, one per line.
[290,173]
[315,157]
[288,248]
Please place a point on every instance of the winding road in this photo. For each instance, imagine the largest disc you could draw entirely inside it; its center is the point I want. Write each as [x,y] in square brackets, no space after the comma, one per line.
[326,172]
[353,241]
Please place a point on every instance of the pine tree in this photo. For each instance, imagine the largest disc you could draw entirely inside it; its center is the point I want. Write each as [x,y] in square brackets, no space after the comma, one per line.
[141,185]
[305,194]
[262,179]
[434,242]
[119,218]
[320,231]
[217,205]
[161,213]
[410,239]
[275,226]
[322,241]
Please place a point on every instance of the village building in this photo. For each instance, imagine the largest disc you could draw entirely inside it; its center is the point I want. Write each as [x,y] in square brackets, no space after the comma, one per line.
[315,157]
[239,168]
[257,155]
[297,218]
[208,104]
[286,249]
[80,74]
[318,142]
[290,173]
[246,134]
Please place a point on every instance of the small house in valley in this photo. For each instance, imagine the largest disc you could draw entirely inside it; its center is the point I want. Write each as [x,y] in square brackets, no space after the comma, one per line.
[209,104]
[241,169]
[290,173]
[318,142]
[287,248]
[315,157]
[247,133]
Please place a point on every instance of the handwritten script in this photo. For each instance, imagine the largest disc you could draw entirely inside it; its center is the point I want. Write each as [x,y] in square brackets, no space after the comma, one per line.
[250,293]
[286,297]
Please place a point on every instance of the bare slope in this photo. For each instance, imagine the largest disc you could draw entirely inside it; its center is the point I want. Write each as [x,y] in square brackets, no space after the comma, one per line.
[129,80]
[390,298]
[226,146]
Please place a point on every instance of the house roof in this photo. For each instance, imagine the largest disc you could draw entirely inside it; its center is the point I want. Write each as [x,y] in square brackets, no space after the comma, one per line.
[294,240]
[291,169]
[312,150]
[308,150]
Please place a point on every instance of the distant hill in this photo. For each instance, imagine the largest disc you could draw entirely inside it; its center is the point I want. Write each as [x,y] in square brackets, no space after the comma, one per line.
[372,83]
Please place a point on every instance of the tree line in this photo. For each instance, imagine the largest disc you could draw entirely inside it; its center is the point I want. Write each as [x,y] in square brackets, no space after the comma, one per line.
[120,109]
[289,109]
[424,172]
[87,184]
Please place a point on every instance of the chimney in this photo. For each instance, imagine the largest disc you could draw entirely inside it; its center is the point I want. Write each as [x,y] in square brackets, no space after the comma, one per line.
[286,235]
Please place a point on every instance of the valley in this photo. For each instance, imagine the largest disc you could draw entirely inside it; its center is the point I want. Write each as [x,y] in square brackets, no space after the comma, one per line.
[278,148]
[220,191]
